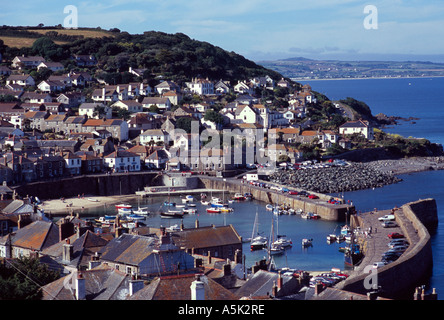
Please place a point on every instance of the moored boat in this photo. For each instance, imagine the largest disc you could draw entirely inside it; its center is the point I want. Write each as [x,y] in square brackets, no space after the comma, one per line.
[239,197]
[125,210]
[269,207]
[171,214]
[213,210]
[307,243]
[123,206]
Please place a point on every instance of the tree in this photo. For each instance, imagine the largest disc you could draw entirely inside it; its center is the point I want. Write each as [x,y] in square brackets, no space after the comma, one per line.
[214,116]
[22,279]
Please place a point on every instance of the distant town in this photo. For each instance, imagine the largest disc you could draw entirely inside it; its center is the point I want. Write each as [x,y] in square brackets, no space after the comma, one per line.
[309,69]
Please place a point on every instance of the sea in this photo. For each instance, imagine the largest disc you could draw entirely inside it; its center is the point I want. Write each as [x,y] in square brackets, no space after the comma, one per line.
[421,98]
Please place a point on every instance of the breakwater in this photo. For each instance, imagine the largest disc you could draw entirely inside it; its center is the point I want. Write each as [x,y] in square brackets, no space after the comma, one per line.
[355,176]
[398,279]
[327,211]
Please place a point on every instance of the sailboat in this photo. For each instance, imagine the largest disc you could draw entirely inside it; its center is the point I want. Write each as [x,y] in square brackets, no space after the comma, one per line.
[258,242]
[274,248]
[281,239]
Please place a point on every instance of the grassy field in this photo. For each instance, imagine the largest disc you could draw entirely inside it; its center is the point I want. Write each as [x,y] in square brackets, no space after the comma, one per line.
[20,42]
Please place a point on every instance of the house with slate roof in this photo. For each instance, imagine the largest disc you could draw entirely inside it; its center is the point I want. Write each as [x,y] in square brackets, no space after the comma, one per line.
[143,255]
[362,127]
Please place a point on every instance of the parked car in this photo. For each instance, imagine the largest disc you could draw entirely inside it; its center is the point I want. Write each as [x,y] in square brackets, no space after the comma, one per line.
[313,196]
[380,264]
[395,235]
[397,242]
[399,248]
[293,192]
[387,217]
[389,224]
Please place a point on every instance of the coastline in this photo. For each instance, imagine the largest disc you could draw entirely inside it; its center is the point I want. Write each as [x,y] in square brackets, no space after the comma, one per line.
[372,78]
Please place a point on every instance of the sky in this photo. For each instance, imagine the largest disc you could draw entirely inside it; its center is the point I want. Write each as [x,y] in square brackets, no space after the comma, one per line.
[264,30]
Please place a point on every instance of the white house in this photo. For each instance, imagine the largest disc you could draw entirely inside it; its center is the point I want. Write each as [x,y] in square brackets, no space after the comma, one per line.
[359,126]
[161,103]
[246,114]
[244,88]
[154,136]
[73,163]
[89,109]
[122,161]
[132,106]
[201,86]
[27,62]
[51,86]
[158,158]
[105,95]
[35,97]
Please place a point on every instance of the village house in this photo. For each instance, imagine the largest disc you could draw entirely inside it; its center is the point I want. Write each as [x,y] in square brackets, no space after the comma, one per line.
[105,95]
[362,127]
[64,79]
[71,99]
[73,163]
[21,80]
[122,161]
[165,86]
[51,86]
[132,106]
[243,87]
[158,158]
[84,60]
[173,96]
[222,87]
[90,163]
[154,136]
[117,127]
[276,152]
[10,109]
[5,71]
[153,256]
[53,66]
[35,97]
[95,110]
[163,104]
[20,62]
[201,86]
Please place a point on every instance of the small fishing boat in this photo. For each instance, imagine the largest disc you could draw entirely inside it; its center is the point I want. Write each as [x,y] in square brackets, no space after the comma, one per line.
[123,206]
[136,217]
[125,210]
[169,204]
[248,196]
[189,211]
[104,220]
[189,198]
[93,199]
[283,241]
[226,209]
[213,210]
[173,228]
[191,205]
[204,203]
[331,237]
[141,211]
[269,207]
[171,214]
[239,197]
[307,243]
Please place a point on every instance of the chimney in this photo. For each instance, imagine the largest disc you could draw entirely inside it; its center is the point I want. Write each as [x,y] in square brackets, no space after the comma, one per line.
[227,268]
[80,287]
[68,251]
[197,289]
[279,281]
[94,262]
[134,286]
[318,288]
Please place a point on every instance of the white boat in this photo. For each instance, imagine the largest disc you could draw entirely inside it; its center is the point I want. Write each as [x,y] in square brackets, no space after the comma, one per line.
[205,203]
[173,228]
[299,211]
[283,241]
[124,210]
[171,214]
[276,249]
[93,199]
[191,205]
[185,200]
[189,211]
[141,211]
[257,242]
[123,206]
[269,207]
[291,212]
[135,217]
[189,198]
[307,242]
[331,237]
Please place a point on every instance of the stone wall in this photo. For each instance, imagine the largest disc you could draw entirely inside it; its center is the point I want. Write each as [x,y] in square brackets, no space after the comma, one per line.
[326,211]
[98,185]
[399,278]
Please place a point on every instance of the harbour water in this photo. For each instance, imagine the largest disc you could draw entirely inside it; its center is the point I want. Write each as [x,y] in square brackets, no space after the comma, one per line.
[421,98]
[319,257]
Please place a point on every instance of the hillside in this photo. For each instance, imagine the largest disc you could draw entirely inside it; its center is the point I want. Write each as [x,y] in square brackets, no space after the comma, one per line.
[175,56]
